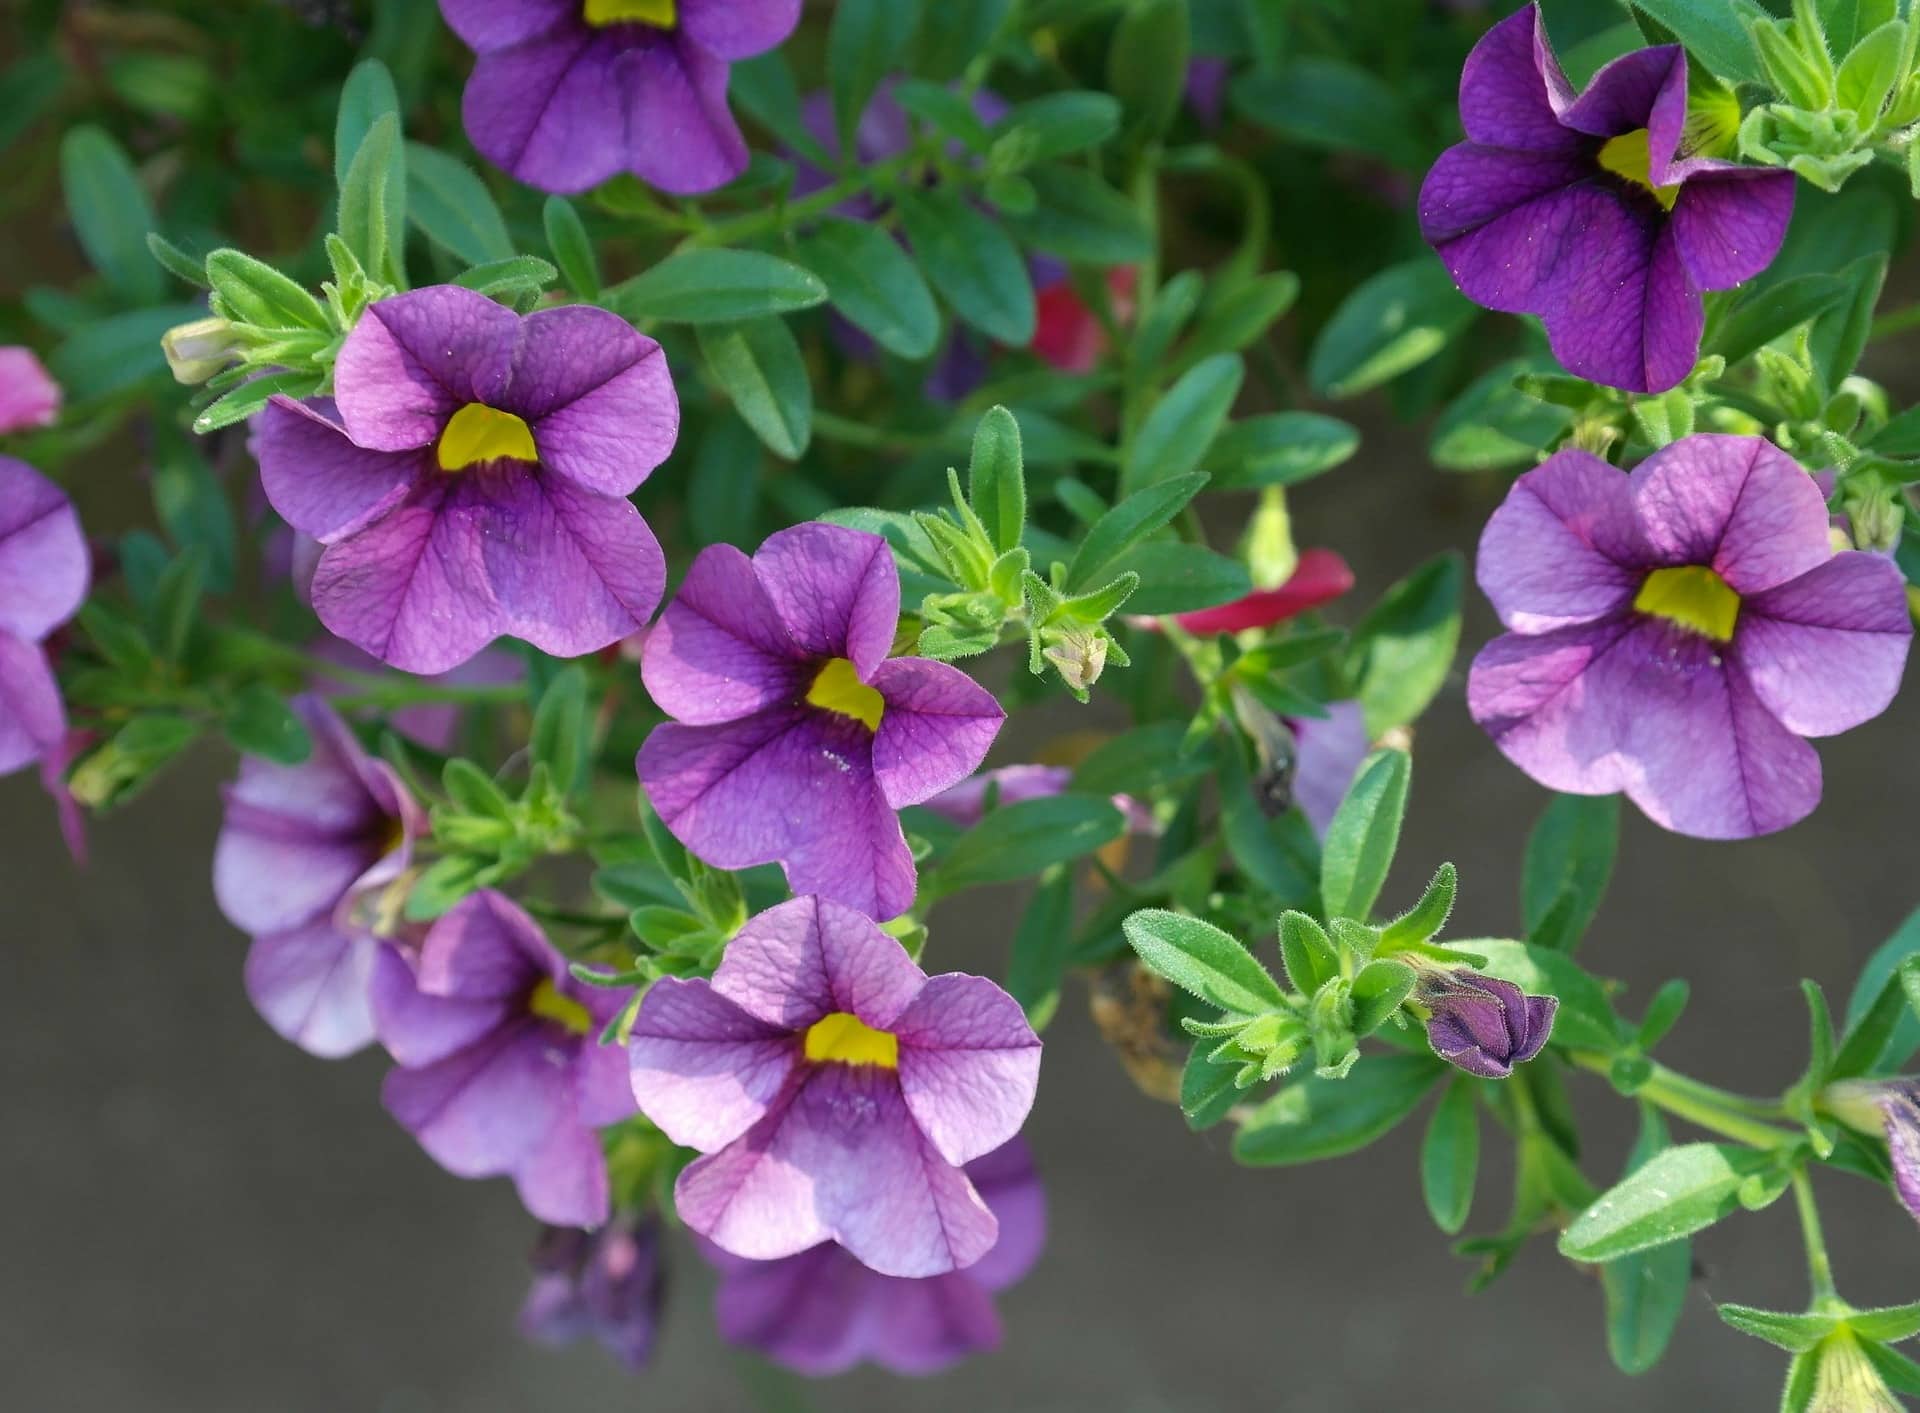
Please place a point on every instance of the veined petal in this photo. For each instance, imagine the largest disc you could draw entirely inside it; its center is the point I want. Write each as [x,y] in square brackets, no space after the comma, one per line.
[738,29]
[682,137]
[1824,652]
[44,561]
[1511,88]
[836,591]
[551,111]
[969,1065]
[1730,222]
[597,395]
[809,957]
[311,985]
[415,359]
[319,481]
[1564,546]
[938,727]
[703,1069]
[1738,505]
[719,652]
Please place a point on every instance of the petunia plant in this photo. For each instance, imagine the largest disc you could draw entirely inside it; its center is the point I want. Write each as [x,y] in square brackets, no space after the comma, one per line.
[655,498]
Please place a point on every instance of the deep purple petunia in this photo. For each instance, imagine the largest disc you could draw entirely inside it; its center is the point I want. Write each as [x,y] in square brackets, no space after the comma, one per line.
[1482,1024]
[795,737]
[501,1071]
[836,1091]
[1677,631]
[1590,211]
[822,1312]
[300,847]
[605,1284]
[470,479]
[44,570]
[567,93]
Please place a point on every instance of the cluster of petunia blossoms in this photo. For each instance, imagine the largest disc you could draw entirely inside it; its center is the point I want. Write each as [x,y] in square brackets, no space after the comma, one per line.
[838,1130]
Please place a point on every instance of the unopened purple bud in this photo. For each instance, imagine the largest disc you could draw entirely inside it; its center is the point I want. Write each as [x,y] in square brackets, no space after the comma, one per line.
[604,1285]
[1890,1108]
[1484,1025]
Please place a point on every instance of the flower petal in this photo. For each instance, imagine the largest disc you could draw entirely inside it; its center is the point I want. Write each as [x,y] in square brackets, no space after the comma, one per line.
[719,652]
[597,396]
[1511,88]
[1644,89]
[1328,752]
[311,985]
[415,359]
[1737,504]
[1505,222]
[1563,547]
[1009,1184]
[938,727]
[1622,311]
[482,1111]
[1534,696]
[1730,222]
[485,949]
[703,1069]
[495,24]
[551,111]
[836,591]
[738,29]
[969,1065]
[563,1178]
[33,720]
[44,561]
[318,480]
[683,139]
[810,957]
[420,1029]
[1824,652]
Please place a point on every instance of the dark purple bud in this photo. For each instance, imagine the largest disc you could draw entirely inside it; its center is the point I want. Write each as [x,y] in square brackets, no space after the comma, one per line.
[1484,1025]
[604,1285]
[1891,1108]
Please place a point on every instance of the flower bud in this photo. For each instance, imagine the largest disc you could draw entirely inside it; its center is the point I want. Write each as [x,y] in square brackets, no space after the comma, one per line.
[28,396]
[1080,654]
[1845,1380]
[1480,1023]
[1890,1109]
[197,351]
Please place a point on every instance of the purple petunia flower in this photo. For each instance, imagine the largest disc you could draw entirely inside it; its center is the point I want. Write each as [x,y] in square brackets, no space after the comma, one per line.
[1890,1108]
[29,397]
[501,1071]
[836,1090]
[1677,631]
[44,570]
[822,1312]
[1590,210]
[605,1284]
[301,844]
[1328,751]
[1482,1024]
[567,93]
[795,737]
[472,480]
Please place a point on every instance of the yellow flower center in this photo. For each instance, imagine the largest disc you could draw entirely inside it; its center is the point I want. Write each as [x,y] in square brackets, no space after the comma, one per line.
[1629,156]
[548,1003]
[843,1038]
[838,689]
[1694,597]
[661,14]
[479,433]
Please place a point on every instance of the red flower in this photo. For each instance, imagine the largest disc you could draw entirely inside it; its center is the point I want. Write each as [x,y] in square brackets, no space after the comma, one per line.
[1321,577]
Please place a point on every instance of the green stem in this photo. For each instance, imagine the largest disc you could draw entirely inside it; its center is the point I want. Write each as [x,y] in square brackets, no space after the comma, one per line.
[1896,322]
[850,432]
[1702,1105]
[1819,1267]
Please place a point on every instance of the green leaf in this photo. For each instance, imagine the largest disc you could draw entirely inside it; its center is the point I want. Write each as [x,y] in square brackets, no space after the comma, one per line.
[1239,312]
[453,208]
[946,111]
[1450,1157]
[1129,522]
[1174,438]
[1307,952]
[997,480]
[1379,988]
[1647,1291]
[1331,104]
[1038,965]
[1716,33]
[1147,65]
[1313,1118]
[1770,311]
[27,90]
[367,96]
[863,42]
[1569,862]
[1208,1090]
[759,365]
[1424,919]
[724,492]
[1201,959]
[1404,647]
[1585,1020]
[972,262]
[1868,1040]
[560,740]
[110,212]
[1840,335]
[1079,218]
[1279,449]
[253,292]
[1674,1194]
[249,398]
[1395,321]
[1177,578]
[1144,759]
[875,285]
[1364,833]
[1870,994]
[1274,855]
[1794,1333]
[1055,125]
[1019,840]
[1888,1324]
[1493,425]
[259,723]
[952,33]
[108,355]
[716,287]
[373,202]
[571,248]
[512,278]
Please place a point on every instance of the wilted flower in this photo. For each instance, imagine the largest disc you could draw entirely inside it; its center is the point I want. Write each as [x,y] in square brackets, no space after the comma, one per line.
[472,481]
[1677,631]
[795,737]
[1594,211]
[605,1285]
[1067,334]
[1891,1109]
[500,1067]
[567,93]
[836,1091]
[29,397]
[1320,577]
[822,1312]
[1484,1025]
[300,845]
[44,569]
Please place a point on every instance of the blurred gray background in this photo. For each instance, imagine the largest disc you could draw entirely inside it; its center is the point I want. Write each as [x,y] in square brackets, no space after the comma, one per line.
[201,1218]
